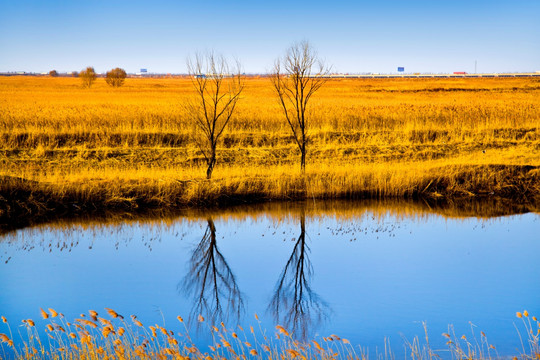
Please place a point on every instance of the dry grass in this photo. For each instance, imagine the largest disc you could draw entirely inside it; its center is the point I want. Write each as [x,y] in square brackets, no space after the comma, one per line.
[114,337]
[64,148]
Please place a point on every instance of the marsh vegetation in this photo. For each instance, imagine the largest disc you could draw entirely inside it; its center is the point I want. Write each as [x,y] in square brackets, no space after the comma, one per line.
[65,149]
[112,336]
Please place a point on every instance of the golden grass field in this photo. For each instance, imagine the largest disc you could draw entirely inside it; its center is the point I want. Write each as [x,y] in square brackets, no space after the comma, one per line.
[66,149]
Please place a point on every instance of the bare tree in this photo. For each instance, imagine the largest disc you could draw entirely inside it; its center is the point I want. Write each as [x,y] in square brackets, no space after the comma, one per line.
[218,87]
[295,304]
[296,77]
[88,76]
[211,282]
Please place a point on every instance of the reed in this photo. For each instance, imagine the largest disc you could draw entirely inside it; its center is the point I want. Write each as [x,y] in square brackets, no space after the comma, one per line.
[64,148]
[91,336]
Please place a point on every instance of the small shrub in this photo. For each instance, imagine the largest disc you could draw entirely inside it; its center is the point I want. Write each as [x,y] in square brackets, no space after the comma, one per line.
[88,76]
[116,77]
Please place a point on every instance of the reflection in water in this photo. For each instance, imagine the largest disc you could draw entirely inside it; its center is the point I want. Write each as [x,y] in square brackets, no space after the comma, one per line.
[211,282]
[419,210]
[416,263]
[294,304]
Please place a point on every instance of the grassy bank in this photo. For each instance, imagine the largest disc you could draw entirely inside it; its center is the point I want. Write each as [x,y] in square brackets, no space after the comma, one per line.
[21,198]
[113,336]
[64,149]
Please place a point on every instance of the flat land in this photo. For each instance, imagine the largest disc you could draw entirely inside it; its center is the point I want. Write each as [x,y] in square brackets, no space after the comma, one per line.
[66,149]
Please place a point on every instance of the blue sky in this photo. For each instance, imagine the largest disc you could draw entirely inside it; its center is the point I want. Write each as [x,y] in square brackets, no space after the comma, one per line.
[353,36]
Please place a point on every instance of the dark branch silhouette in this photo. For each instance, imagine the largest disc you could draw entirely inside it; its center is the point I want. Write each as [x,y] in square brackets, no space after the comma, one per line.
[211,282]
[294,304]
[296,77]
[218,87]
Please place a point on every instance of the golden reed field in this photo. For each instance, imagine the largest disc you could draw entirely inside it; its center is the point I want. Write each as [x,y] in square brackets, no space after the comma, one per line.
[65,149]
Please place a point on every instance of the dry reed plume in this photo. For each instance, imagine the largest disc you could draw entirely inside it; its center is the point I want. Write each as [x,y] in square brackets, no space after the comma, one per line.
[94,337]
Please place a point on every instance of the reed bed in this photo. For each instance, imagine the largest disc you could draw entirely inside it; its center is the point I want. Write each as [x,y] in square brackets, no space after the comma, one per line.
[91,336]
[65,148]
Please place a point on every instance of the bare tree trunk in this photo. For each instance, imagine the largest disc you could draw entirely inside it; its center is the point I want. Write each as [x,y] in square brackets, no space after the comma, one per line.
[303,158]
[303,223]
[212,229]
[211,162]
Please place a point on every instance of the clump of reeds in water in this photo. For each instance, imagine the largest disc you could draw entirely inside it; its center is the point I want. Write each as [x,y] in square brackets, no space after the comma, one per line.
[94,337]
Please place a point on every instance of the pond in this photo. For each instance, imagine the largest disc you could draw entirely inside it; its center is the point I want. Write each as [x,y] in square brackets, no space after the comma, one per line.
[371,272]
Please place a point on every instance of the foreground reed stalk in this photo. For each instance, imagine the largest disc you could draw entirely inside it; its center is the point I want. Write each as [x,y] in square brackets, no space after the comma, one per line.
[114,337]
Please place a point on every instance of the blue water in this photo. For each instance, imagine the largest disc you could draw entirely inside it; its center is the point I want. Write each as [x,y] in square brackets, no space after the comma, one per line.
[366,274]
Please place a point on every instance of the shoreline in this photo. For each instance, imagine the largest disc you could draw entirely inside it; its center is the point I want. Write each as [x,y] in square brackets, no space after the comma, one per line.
[67,151]
[26,202]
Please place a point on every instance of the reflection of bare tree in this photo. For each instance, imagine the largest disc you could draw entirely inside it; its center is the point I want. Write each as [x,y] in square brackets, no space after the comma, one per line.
[211,282]
[294,304]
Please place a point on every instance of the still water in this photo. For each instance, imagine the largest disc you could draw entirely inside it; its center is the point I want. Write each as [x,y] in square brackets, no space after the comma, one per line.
[365,271]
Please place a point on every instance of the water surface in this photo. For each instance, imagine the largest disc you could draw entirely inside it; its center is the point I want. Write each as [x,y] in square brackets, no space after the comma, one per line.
[364,271]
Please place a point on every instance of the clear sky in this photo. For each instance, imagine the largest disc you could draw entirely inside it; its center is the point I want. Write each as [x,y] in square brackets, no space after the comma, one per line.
[353,36]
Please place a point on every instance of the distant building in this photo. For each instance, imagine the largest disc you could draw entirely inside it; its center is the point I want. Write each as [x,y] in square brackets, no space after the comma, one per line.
[142,72]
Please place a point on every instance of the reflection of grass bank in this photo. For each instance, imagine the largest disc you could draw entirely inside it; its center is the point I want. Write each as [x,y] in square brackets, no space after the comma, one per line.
[116,337]
[115,191]
[343,210]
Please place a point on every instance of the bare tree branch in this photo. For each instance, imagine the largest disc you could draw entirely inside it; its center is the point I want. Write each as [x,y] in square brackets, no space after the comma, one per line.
[218,87]
[211,282]
[295,304]
[295,85]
